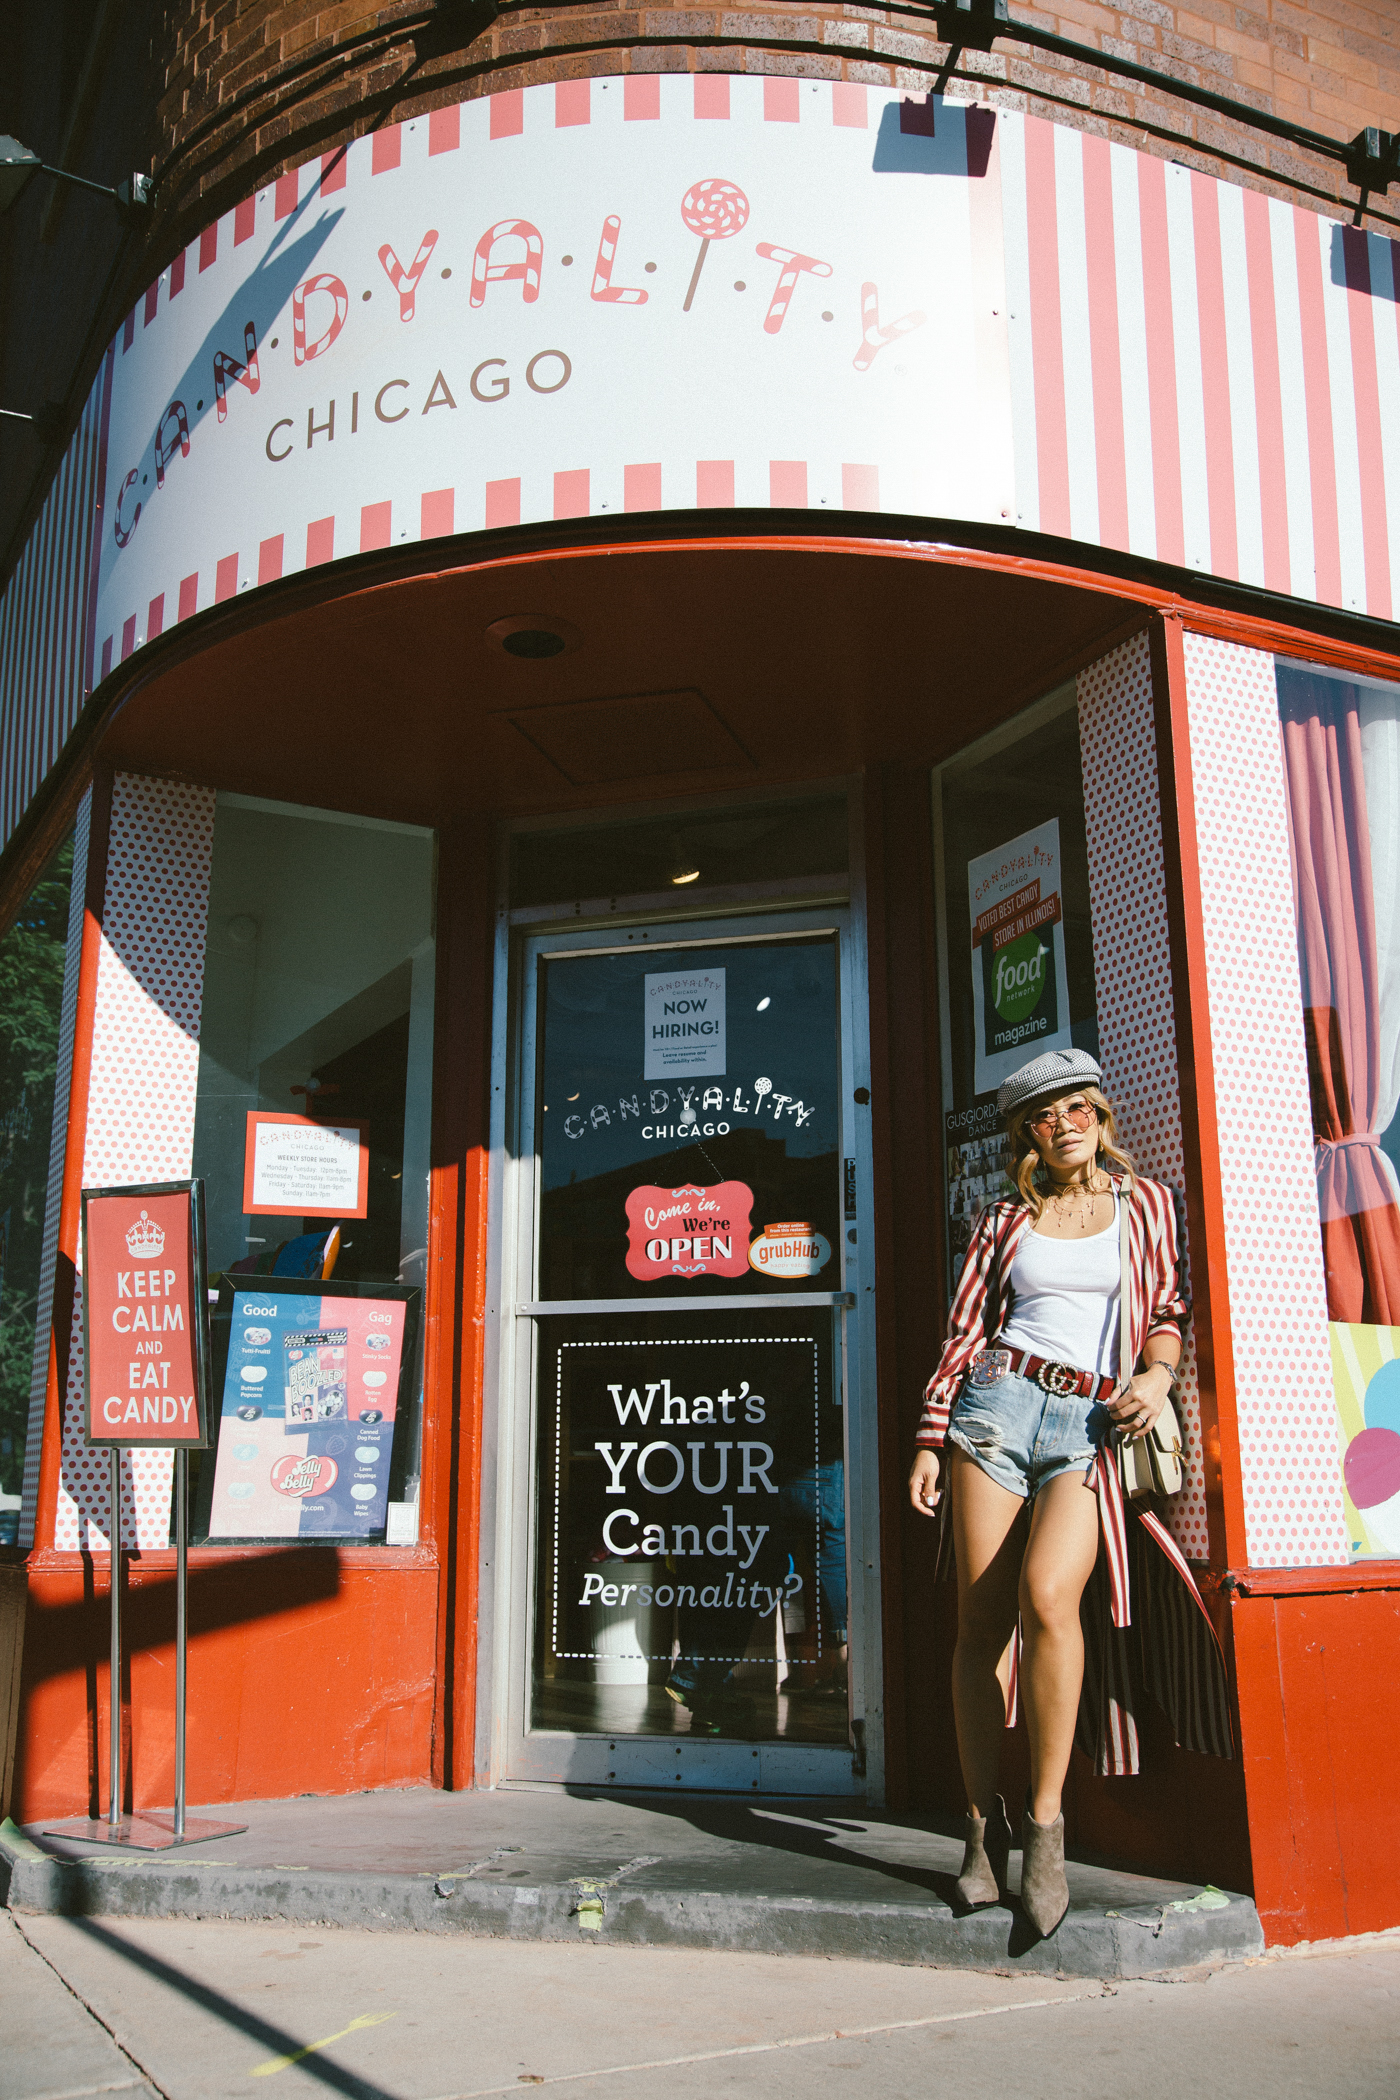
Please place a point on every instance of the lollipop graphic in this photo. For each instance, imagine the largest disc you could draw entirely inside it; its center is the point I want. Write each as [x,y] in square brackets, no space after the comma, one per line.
[715,210]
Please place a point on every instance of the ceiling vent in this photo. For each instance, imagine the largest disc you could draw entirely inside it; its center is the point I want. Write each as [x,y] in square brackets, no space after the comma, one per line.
[639,737]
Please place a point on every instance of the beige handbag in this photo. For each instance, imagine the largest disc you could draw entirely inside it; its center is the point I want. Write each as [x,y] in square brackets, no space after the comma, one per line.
[1151,1464]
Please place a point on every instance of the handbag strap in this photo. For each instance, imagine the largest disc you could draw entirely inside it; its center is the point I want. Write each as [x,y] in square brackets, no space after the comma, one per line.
[1125,1358]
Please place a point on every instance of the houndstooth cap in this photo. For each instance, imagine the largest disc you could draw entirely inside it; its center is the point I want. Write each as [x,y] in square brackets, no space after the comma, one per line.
[1053,1072]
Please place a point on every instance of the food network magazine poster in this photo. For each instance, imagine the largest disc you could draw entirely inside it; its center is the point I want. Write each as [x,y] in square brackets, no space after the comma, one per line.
[312,1386]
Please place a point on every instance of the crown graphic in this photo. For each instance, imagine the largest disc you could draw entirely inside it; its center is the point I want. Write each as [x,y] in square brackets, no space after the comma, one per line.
[145,1239]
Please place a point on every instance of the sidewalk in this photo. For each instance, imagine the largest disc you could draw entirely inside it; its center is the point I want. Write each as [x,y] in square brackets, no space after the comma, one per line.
[770,1877]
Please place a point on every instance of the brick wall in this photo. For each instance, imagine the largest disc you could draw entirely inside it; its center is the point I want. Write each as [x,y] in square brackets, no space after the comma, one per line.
[1332,67]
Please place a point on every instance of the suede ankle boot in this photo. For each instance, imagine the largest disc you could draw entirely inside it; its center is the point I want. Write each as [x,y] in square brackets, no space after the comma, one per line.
[983,1875]
[1044,1890]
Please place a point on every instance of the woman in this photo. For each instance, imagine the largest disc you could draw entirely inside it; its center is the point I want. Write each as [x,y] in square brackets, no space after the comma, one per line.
[1024,1406]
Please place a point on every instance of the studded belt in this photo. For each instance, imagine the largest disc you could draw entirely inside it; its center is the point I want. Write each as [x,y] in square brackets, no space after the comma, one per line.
[1056,1378]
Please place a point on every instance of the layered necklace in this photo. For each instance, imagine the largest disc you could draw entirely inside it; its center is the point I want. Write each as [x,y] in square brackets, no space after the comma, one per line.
[1080,1200]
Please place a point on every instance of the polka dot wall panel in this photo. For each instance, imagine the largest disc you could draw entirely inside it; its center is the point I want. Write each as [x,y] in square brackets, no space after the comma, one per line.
[1278,1305]
[1132,969]
[141,1094]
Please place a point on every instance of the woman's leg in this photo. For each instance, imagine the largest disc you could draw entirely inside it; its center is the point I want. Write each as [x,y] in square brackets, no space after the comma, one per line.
[988,1532]
[1059,1559]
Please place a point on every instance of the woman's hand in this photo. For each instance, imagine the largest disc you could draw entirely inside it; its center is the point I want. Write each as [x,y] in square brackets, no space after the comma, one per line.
[1142,1400]
[923,1482]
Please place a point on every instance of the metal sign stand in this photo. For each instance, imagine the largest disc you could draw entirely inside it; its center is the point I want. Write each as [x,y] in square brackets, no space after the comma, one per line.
[152,1830]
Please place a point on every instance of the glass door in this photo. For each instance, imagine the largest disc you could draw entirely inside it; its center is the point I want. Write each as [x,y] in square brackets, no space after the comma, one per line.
[684,1341]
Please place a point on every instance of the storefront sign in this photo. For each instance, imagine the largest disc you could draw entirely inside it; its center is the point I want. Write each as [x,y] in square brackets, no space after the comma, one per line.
[684,1024]
[144,1317]
[444,328]
[296,1167]
[790,1249]
[310,1398]
[1020,988]
[689,1231]
[700,1494]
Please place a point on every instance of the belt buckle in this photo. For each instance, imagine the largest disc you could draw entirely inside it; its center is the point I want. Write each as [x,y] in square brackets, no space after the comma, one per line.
[989,1367]
[1059,1379]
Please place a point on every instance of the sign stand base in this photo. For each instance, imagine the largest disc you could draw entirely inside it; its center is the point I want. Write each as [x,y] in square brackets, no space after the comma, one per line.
[153,1830]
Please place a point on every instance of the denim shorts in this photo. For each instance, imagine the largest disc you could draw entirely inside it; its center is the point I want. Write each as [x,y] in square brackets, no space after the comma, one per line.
[1023,1436]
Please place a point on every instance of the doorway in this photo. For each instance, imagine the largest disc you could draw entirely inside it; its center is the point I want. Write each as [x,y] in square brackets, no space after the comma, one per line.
[688,1573]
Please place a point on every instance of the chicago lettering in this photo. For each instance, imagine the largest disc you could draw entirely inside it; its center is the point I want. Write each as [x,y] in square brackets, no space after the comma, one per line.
[394,402]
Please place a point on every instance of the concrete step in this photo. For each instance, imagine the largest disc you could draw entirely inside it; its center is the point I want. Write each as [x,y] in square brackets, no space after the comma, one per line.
[774,1876]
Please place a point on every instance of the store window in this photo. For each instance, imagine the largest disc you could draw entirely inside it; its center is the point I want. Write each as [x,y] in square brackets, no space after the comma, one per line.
[1016,948]
[312,1136]
[32,958]
[1341,762]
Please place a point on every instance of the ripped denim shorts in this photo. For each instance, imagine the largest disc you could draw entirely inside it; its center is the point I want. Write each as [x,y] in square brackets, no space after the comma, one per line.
[1023,1436]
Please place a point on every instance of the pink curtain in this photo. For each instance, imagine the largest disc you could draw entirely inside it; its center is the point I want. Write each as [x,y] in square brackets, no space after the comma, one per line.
[1334,905]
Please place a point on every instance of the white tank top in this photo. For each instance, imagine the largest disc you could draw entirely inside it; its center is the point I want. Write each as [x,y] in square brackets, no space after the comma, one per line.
[1065,1299]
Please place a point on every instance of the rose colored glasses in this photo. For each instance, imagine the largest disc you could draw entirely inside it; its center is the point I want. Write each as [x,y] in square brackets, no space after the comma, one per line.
[1078,1114]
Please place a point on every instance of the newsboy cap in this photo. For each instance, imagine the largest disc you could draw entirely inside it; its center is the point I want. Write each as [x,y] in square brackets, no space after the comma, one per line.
[1053,1072]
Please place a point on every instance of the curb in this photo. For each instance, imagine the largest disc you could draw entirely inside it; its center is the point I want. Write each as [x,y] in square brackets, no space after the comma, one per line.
[1132,1943]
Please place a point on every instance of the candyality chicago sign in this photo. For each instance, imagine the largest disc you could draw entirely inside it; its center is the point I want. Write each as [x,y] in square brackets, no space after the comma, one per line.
[659,292]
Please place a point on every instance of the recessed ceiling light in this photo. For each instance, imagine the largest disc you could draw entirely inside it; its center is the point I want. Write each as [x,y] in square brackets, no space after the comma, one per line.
[763,1005]
[686,875]
[534,642]
[533,637]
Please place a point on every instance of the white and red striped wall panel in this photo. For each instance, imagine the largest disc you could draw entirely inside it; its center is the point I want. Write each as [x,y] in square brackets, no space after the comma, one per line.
[1201,375]
[45,623]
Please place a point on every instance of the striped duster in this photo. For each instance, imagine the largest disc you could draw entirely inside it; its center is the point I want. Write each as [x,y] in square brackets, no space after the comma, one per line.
[1146,1627]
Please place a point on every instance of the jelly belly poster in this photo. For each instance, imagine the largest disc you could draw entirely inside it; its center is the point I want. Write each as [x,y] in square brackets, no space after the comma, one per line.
[306,1427]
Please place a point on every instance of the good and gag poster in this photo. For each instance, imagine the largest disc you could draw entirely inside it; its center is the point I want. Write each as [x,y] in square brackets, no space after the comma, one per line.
[1020,989]
[307,1420]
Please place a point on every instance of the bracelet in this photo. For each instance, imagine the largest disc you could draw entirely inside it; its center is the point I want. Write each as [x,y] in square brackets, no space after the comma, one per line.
[1162,1363]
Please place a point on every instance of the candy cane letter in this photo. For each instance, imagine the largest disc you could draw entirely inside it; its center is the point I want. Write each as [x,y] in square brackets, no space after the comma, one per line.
[226,368]
[873,336]
[604,290]
[793,265]
[123,532]
[302,351]
[716,210]
[179,440]
[405,282]
[486,270]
